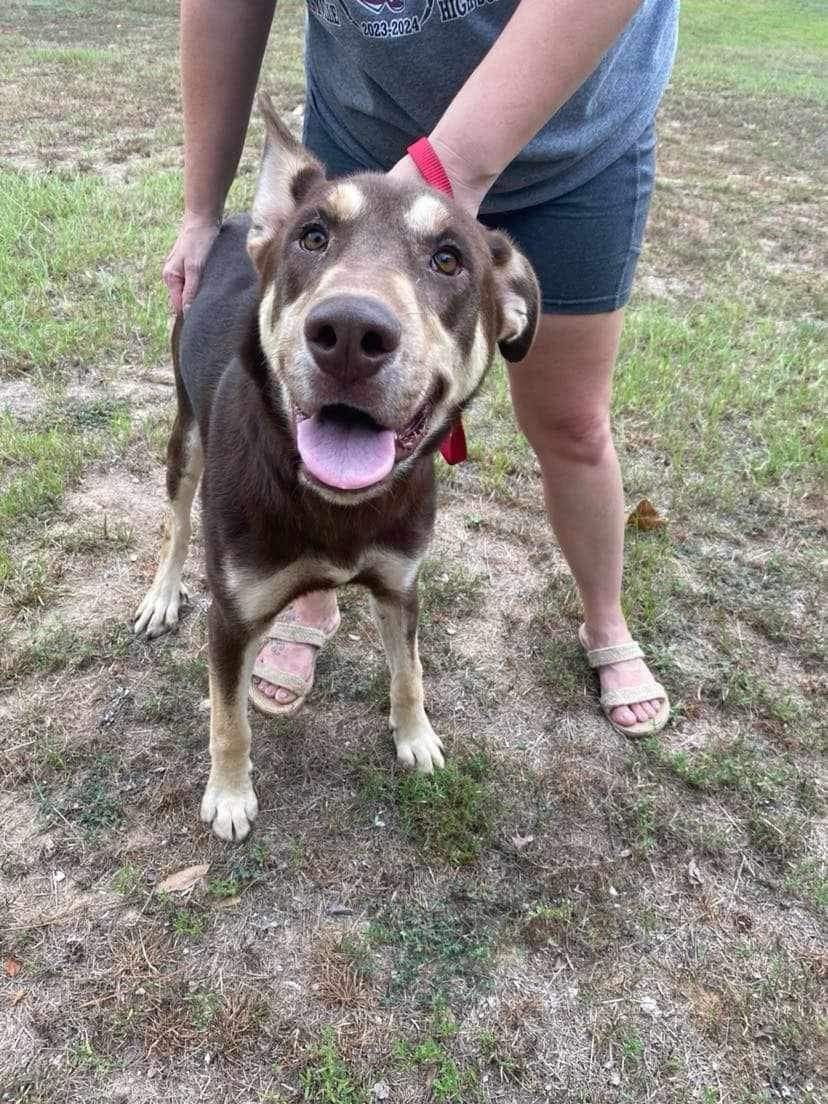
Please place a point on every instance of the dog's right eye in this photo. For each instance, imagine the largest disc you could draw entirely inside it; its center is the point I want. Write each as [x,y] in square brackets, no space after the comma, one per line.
[314,239]
[447,261]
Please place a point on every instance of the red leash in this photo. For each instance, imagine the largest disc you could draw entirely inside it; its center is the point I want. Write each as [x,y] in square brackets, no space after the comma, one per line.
[422,153]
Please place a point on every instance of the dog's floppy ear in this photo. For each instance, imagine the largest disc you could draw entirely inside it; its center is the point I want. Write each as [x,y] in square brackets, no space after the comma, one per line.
[518,295]
[287,174]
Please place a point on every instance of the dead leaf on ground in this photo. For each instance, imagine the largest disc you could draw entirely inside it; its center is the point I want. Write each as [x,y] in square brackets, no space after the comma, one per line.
[183,880]
[11,967]
[646,516]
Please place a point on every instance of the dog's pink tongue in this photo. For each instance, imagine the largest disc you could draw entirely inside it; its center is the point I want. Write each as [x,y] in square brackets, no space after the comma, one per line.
[347,457]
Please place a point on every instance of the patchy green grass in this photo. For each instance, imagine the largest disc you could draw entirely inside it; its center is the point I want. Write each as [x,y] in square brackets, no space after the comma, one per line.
[448,590]
[92,801]
[451,813]
[449,1084]
[39,462]
[326,1079]
[78,264]
[126,880]
[53,646]
[242,871]
[760,47]
[81,1055]
[437,956]
[746,385]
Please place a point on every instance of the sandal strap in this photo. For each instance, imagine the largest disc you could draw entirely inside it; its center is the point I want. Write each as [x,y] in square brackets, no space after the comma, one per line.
[629,695]
[277,677]
[294,633]
[614,653]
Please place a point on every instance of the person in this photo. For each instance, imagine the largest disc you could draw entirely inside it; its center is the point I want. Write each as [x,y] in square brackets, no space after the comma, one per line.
[541,112]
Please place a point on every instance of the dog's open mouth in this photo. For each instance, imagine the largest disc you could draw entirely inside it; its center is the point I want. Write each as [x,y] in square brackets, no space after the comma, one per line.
[348,450]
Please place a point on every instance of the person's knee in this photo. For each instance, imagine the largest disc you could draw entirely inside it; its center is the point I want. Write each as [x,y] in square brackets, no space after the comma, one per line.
[581,437]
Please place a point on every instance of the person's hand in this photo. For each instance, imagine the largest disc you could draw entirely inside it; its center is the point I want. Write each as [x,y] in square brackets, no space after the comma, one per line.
[185,262]
[467,187]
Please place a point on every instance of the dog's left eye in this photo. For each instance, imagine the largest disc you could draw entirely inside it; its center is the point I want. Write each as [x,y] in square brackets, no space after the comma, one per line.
[446,261]
[314,238]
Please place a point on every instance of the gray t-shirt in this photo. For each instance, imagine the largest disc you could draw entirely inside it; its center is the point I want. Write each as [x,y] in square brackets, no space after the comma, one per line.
[381,72]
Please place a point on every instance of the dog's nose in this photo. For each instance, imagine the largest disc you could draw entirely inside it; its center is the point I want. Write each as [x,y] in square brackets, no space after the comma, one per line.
[351,336]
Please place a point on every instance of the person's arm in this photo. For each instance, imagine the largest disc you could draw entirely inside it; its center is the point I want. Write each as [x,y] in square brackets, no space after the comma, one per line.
[544,53]
[222,45]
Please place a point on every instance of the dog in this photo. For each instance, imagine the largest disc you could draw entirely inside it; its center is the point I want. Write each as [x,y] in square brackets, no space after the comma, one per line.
[336,335]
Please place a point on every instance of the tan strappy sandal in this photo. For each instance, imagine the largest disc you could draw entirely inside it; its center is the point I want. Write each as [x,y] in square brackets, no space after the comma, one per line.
[628,695]
[289,632]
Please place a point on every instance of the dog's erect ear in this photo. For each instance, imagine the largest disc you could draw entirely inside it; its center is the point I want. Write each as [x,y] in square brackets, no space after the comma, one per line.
[518,295]
[287,174]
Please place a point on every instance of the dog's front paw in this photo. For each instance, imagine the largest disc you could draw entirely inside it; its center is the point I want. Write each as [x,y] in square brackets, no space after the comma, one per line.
[419,747]
[229,811]
[158,613]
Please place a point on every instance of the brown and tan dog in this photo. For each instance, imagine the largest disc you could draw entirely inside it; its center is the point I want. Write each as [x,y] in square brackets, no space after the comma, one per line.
[314,386]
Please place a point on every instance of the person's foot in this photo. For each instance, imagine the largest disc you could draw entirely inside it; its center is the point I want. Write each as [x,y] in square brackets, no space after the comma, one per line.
[618,676]
[317,610]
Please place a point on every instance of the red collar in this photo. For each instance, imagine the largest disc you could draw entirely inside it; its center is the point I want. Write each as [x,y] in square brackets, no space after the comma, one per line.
[422,153]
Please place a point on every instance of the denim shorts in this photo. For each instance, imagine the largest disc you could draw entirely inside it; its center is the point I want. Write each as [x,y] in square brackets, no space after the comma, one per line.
[583,245]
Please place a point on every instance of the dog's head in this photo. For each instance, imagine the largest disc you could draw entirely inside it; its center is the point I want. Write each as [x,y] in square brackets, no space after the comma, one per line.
[381,307]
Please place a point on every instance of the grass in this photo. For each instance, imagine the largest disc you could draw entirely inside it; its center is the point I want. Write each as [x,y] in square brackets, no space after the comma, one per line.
[94,801]
[489,933]
[745,384]
[437,956]
[508,1067]
[81,1055]
[448,590]
[452,813]
[91,801]
[756,46]
[730,765]
[40,463]
[186,922]
[53,646]
[76,264]
[126,880]
[448,1083]
[242,871]
[42,460]
[326,1080]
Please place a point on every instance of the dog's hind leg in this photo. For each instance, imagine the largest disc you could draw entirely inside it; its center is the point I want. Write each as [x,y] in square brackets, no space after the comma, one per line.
[418,745]
[158,613]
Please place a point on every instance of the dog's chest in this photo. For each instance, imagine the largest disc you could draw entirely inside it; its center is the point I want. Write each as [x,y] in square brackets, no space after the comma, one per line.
[257,594]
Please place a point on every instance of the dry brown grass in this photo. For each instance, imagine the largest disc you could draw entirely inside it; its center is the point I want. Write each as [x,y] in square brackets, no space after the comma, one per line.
[340,981]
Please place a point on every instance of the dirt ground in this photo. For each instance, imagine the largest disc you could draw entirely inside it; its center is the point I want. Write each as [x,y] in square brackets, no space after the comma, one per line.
[561,915]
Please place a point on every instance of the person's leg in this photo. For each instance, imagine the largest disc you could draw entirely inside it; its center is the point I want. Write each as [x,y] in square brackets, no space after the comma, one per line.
[584,246]
[561,396]
[316,610]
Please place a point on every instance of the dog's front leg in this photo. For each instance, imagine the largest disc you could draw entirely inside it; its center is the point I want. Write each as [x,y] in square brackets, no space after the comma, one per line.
[418,745]
[229,804]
